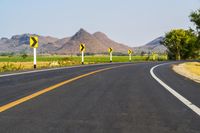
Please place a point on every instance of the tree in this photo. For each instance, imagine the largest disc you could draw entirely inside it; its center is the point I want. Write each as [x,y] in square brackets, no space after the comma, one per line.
[181,43]
[191,46]
[195,18]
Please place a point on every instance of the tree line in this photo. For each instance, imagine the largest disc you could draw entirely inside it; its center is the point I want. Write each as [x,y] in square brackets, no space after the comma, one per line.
[184,44]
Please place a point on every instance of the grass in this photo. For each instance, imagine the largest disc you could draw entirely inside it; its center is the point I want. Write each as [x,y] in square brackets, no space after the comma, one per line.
[190,70]
[30,58]
[15,63]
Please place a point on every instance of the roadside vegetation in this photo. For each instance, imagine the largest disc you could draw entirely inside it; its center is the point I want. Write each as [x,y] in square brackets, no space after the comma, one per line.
[184,44]
[21,62]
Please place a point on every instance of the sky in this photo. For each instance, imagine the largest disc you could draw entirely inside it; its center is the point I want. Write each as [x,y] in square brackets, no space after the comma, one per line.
[132,22]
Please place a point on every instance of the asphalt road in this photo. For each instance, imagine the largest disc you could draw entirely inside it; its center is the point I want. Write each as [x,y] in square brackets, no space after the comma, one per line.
[125,99]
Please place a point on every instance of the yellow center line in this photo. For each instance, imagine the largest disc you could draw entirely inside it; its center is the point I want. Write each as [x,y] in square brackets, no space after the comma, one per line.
[36,94]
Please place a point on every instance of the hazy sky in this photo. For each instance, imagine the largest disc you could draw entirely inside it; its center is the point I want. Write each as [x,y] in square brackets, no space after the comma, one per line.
[133,22]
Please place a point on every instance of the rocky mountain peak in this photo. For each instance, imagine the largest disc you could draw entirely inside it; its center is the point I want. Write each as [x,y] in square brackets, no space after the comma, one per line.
[81,34]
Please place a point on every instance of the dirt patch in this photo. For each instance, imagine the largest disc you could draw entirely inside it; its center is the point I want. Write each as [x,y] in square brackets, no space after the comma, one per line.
[190,70]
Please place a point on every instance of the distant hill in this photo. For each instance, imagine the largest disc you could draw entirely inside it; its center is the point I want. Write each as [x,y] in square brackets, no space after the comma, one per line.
[20,43]
[153,46]
[95,43]
[155,42]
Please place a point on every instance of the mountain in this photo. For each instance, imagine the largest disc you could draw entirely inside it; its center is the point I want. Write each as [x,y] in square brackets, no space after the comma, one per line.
[153,46]
[110,43]
[20,43]
[82,36]
[95,43]
[155,42]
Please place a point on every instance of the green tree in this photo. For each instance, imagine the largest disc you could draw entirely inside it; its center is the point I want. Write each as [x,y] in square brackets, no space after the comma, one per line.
[181,43]
[195,18]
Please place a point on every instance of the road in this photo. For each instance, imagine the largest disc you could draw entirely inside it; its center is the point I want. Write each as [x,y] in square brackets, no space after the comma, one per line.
[124,99]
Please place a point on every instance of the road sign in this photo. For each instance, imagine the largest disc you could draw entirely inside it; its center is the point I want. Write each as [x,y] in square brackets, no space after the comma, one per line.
[110,50]
[130,51]
[82,50]
[33,41]
[34,45]
[82,47]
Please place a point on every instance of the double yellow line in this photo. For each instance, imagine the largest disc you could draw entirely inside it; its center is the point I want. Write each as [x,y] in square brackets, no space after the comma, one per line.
[36,94]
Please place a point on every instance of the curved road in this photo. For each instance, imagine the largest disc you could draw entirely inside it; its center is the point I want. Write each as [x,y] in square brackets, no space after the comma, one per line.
[125,99]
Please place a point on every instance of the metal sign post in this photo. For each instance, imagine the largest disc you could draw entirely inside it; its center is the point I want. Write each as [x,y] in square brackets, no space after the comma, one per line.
[82,57]
[110,56]
[130,57]
[35,58]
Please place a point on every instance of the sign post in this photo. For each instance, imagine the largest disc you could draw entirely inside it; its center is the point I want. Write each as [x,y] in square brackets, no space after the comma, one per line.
[35,58]
[34,45]
[129,53]
[82,50]
[110,50]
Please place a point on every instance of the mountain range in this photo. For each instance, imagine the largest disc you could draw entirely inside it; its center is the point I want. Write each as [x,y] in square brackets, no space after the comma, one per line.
[153,46]
[95,43]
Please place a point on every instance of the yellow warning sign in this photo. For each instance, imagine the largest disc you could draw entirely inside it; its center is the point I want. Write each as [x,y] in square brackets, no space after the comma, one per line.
[33,41]
[82,47]
[130,51]
[110,50]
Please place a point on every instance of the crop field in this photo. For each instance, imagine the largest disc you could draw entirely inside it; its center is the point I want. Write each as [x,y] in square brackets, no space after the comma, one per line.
[16,63]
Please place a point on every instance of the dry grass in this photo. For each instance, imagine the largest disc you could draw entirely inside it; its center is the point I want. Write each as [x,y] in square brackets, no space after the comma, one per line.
[190,70]
[16,66]
[12,66]
[16,63]
[193,67]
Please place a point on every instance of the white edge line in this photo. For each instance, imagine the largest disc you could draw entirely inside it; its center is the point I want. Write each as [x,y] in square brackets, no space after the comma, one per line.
[173,92]
[52,69]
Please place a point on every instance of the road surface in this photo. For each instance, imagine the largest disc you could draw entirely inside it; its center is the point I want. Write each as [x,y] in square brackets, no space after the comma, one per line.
[122,99]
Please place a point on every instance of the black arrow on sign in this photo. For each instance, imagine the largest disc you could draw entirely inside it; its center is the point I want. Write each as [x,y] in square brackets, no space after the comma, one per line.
[34,42]
[82,47]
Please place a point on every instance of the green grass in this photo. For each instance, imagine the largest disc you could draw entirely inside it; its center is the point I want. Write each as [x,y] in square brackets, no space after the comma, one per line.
[92,59]
[15,63]
[30,58]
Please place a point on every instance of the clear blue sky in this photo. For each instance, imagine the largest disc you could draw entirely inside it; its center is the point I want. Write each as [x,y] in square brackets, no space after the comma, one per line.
[133,22]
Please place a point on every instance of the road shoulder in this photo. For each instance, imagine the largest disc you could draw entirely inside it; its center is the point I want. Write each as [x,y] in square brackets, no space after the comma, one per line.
[189,70]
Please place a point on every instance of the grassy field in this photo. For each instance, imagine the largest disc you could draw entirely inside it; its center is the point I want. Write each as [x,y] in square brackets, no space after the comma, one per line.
[15,63]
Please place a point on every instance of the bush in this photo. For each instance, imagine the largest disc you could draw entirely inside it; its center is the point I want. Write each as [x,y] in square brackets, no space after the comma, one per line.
[11,67]
[24,56]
